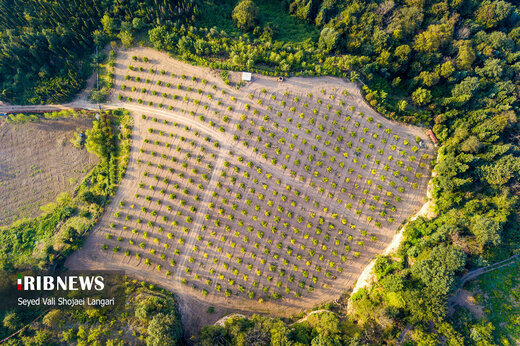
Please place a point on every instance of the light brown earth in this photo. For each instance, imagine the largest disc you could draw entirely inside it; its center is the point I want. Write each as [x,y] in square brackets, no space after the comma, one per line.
[466,299]
[37,162]
[169,133]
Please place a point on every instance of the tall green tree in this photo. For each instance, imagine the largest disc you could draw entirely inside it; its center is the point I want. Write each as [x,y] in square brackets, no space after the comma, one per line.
[164,330]
[245,15]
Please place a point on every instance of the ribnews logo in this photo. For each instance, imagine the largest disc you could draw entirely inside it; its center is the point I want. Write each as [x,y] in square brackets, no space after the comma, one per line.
[64,288]
[60,283]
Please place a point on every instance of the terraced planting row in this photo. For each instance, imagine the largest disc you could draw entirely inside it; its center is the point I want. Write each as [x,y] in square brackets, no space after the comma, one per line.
[260,193]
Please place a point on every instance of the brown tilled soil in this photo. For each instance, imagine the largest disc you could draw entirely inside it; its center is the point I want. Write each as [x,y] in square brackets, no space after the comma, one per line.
[37,162]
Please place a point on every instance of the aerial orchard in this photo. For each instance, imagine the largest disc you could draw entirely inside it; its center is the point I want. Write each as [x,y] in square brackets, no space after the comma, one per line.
[258,193]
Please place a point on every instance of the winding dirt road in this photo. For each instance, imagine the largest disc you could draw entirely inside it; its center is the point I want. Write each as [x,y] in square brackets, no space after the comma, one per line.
[473,274]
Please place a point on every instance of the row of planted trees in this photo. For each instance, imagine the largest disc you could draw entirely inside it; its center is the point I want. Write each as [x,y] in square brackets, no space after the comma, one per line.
[174,229]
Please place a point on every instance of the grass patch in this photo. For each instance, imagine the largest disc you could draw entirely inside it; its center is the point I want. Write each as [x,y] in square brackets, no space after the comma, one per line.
[500,296]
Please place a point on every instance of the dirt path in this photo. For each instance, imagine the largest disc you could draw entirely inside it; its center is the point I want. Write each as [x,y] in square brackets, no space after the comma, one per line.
[473,274]
[464,297]
[404,333]
[45,108]
[365,277]
[199,220]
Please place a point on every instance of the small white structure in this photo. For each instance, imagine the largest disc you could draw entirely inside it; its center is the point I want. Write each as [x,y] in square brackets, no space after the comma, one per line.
[246,76]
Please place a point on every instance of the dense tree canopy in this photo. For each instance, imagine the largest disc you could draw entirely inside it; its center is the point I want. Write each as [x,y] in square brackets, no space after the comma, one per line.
[45,45]
[323,328]
[245,15]
[164,330]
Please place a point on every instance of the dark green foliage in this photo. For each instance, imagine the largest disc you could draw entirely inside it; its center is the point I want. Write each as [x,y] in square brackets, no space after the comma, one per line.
[491,14]
[392,283]
[100,140]
[437,271]
[384,266]
[213,335]
[304,9]
[164,330]
[486,231]
[11,322]
[328,39]
[46,44]
[500,298]
[153,11]
[501,171]
[42,43]
[17,242]
[272,22]
[103,326]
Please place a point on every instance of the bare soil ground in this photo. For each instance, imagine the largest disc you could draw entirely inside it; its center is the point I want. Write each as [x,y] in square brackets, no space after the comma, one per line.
[37,162]
[233,197]
[466,299]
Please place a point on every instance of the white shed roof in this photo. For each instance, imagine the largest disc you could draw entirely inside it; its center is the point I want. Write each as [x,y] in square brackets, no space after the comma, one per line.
[246,76]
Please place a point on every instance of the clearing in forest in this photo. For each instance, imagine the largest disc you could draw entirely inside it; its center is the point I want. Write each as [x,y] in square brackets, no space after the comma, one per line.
[38,162]
[269,198]
[497,302]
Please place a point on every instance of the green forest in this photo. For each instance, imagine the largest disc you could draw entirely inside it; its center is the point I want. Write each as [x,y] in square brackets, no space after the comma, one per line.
[48,47]
[449,65]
